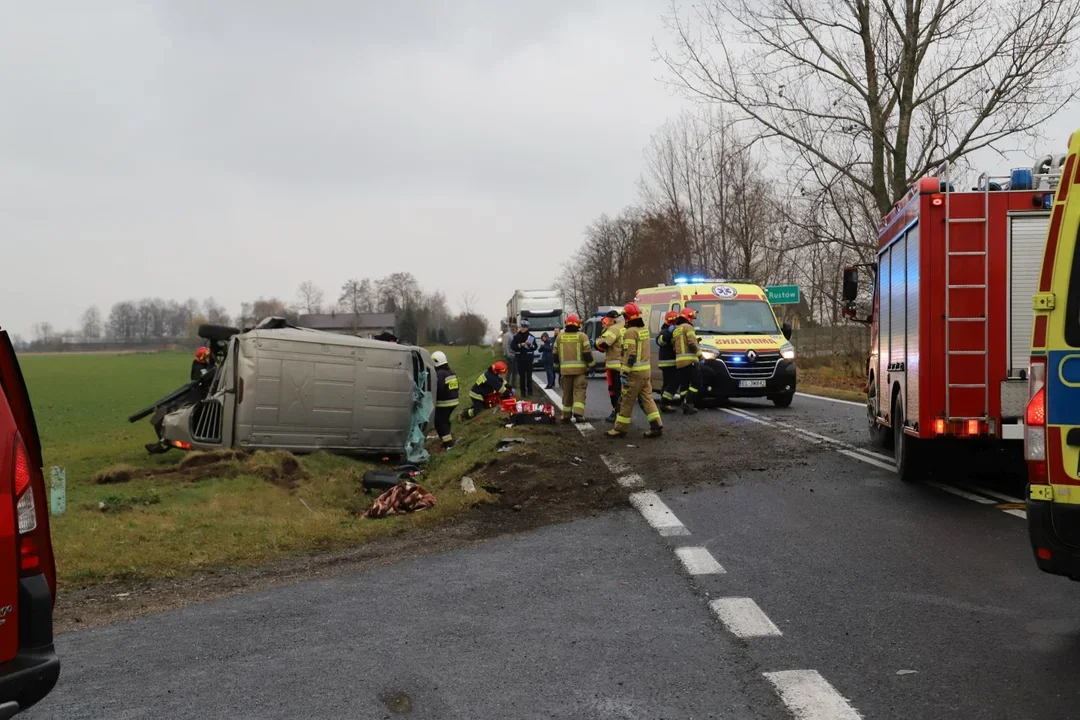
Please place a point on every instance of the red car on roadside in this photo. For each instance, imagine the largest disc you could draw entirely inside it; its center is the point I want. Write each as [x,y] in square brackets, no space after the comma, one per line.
[29,666]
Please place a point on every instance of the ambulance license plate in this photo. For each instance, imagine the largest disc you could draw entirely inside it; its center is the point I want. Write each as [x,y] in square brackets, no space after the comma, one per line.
[751,383]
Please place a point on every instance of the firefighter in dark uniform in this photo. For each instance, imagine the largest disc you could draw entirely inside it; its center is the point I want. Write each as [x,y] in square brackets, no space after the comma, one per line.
[666,362]
[488,389]
[687,351]
[202,364]
[637,369]
[446,397]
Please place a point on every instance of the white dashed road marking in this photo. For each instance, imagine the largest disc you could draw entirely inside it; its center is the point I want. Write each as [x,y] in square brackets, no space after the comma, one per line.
[746,416]
[991,493]
[556,400]
[961,493]
[868,460]
[615,464]
[743,618]
[810,697]
[657,514]
[630,480]
[699,561]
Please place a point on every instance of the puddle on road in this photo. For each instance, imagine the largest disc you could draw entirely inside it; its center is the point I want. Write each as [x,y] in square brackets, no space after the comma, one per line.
[397,702]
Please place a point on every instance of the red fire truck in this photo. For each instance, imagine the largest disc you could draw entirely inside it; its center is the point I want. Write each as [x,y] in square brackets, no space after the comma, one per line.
[952,312]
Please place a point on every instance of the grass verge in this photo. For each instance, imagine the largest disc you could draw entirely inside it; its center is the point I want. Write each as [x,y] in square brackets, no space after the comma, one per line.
[132,516]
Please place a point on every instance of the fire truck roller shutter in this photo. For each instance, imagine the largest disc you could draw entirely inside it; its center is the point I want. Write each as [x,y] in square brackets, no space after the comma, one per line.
[1027,236]
[898,321]
[884,393]
[912,355]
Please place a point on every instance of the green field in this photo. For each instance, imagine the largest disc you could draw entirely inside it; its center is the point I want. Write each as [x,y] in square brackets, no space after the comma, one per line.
[165,526]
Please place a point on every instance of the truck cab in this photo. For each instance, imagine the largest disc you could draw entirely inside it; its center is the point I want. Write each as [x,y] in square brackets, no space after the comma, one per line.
[1052,414]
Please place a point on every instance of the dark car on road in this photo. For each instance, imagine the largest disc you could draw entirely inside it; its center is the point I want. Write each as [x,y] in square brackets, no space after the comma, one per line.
[29,666]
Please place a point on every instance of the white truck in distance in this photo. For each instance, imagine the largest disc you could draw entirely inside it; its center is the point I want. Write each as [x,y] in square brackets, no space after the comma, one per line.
[542,308]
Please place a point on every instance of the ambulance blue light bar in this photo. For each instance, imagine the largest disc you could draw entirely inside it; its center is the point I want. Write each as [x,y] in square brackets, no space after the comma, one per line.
[697,279]
[681,280]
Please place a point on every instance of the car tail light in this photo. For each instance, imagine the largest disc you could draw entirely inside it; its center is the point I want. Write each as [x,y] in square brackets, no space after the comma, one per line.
[25,510]
[1035,422]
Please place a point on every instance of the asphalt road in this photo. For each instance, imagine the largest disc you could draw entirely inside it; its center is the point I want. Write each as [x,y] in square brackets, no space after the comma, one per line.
[780,570]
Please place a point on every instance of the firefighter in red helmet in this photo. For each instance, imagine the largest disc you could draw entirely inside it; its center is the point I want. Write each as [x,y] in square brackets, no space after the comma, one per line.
[573,358]
[202,364]
[488,389]
[687,351]
[637,370]
[666,362]
[610,343]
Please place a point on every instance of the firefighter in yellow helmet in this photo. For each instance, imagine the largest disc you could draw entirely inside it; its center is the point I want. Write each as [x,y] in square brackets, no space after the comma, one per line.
[610,343]
[573,357]
[687,351]
[638,372]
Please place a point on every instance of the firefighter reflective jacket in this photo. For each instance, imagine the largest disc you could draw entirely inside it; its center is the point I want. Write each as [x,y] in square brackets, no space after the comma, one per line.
[446,387]
[686,344]
[489,383]
[636,349]
[611,343]
[666,356]
[572,353]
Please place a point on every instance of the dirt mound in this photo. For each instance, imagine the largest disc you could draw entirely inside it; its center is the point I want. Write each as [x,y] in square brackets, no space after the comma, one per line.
[115,474]
[199,458]
[277,466]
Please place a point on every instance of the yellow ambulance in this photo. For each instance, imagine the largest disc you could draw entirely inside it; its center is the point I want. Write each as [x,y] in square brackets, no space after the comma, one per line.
[745,351]
[1052,416]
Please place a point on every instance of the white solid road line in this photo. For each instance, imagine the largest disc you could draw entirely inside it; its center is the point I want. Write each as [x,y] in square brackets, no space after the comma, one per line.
[809,696]
[829,399]
[699,561]
[746,416]
[1022,514]
[630,480]
[657,514]
[961,493]
[616,464]
[582,427]
[868,460]
[991,493]
[743,618]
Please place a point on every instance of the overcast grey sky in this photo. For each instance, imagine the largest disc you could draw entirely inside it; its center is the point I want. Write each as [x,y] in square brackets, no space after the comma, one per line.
[194,148]
[235,149]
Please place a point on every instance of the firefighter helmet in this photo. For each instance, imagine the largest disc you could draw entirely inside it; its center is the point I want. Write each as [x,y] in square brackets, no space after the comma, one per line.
[606,321]
[631,311]
[438,358]
[689,313]
[670,316]
[573,319]
[499,368]
[202,354]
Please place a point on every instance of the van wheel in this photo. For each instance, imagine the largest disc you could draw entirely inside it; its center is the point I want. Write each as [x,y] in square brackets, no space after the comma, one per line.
[783,400]
[908,452]
[880,435]
[217,332]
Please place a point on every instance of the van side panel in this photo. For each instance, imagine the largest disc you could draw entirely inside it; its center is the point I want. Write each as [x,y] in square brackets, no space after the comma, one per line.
[303,396]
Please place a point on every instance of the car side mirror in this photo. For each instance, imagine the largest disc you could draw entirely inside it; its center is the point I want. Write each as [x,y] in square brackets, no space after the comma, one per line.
[851,284]
[786,329]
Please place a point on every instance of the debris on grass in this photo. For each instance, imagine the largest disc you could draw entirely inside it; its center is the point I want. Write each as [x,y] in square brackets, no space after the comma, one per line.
[278,466]
[121,503]
[404,498]
[467,485]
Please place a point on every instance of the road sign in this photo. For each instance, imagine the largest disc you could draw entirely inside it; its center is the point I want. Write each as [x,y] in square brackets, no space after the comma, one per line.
[783,294]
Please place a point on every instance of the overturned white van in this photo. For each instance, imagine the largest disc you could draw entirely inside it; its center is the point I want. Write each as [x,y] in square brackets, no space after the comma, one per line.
[305,390]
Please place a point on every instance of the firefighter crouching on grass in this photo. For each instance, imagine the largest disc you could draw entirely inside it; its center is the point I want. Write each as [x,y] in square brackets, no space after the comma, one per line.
[610,343]
[666,362]
[573,357]
[637,370]
[446,397]
[488,389]
[687,350]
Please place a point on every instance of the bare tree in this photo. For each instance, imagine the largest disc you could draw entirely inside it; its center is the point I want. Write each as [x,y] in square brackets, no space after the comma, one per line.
[44,332]
[310,298]
[880,92]
[91,325]
[470,327]
[397,291]
[215,313]
[123,320]
[357,296]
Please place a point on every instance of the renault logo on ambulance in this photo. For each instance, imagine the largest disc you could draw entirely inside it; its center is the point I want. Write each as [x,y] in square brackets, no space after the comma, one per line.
[751,356]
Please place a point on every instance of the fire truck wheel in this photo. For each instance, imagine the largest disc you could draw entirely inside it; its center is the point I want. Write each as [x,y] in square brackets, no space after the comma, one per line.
[880,435]
[908,452]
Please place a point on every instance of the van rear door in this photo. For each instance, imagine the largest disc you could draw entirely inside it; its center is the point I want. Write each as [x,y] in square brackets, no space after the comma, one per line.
[20,454]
